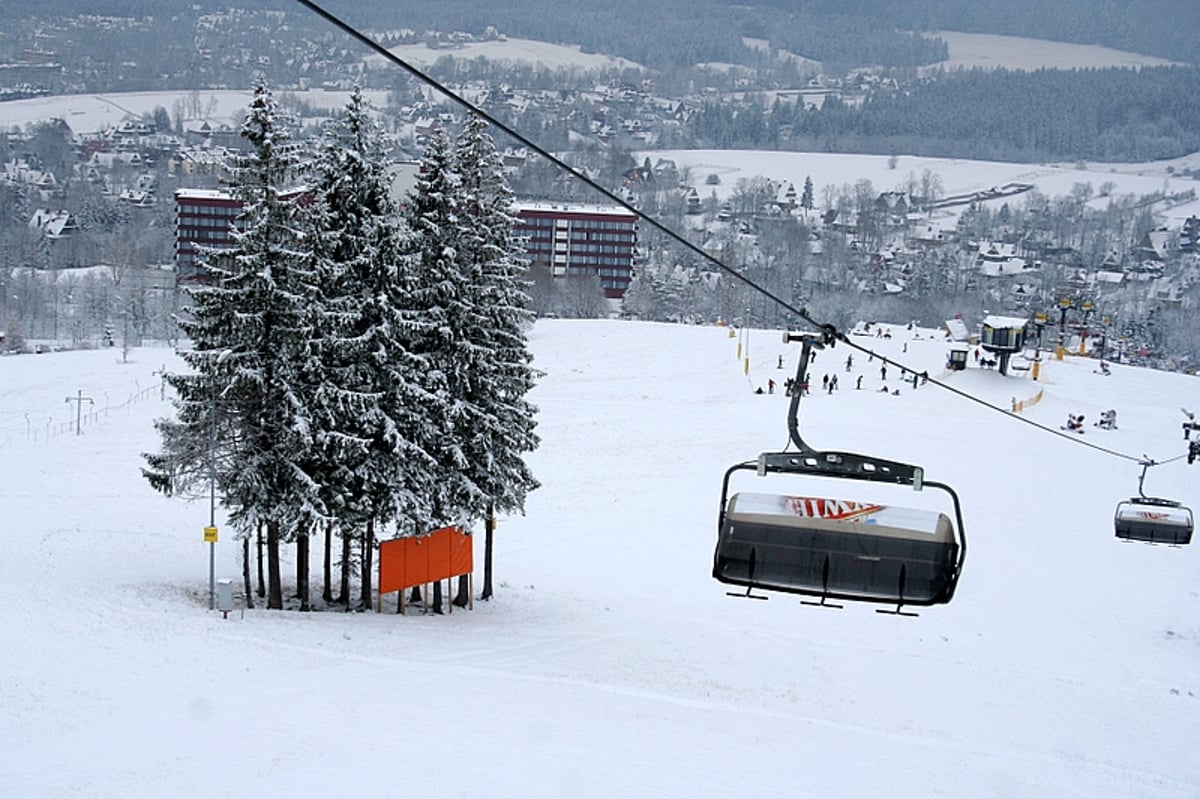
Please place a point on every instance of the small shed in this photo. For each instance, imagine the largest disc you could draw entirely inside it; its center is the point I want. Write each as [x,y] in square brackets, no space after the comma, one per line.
[956,359]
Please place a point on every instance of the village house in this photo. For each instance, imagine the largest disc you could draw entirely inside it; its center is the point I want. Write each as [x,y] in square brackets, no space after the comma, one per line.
[54,225]
[997,259]
[891,208]
[19,173]
[1150,254]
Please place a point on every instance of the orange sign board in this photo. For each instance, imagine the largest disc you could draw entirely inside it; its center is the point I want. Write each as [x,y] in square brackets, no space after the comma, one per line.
[416,560]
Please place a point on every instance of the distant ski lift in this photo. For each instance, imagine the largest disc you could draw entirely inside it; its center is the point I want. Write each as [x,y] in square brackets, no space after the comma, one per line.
[956,361]
[1152,519]
[836,549]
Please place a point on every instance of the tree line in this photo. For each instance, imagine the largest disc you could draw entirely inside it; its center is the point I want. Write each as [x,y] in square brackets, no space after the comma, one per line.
[657,34]
[1092,114]
[358,366]
[1164,28]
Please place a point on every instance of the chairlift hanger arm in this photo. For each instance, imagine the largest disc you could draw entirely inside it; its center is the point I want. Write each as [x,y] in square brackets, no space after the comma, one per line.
[808,343]
[830,464]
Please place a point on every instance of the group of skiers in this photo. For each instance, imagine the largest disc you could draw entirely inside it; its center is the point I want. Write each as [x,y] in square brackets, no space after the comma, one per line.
[1108,421]
[829,382]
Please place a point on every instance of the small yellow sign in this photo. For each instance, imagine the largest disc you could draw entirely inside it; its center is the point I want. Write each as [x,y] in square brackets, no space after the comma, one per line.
[210,535]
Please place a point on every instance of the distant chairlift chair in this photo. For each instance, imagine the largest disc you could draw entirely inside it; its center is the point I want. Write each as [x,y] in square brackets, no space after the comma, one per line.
[1152,519]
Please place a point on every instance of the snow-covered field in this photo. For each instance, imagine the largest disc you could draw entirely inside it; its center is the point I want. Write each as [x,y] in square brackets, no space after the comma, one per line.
[91,113]
[610,663]
[990,51]
[511,51]
[957,175]
[967,50]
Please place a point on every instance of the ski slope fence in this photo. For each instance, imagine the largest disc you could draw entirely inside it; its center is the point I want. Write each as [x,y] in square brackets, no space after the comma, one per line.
[37,428]
[1020,405]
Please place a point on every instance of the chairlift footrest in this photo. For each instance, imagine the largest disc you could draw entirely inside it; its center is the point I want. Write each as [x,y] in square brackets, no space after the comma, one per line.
[746,595]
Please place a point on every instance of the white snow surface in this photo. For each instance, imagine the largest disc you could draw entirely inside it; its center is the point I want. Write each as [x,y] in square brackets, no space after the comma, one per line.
[958,175]
[513,51]
[610,663]
[992,51]
[92,113]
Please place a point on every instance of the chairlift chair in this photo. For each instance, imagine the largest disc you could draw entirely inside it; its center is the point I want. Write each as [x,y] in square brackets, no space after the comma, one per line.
[1152,519]
[836,549]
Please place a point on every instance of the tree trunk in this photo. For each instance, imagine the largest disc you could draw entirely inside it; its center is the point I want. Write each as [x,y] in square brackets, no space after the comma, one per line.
[274,579]
[463,596]
[368,550]
[437,596]
[246,572]
[489,529]
[262,587]
[344,595]
[302,550]
[327,593]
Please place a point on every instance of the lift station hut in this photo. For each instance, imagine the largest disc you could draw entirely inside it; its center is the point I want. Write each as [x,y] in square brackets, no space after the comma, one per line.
[1003,336]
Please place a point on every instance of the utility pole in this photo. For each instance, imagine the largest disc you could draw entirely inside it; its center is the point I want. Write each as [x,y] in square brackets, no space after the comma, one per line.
[79,399]
[210,532]
[161,373]
[746,361]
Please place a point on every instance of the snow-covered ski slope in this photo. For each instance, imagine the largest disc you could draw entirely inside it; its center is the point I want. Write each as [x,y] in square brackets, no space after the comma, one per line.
[610,663]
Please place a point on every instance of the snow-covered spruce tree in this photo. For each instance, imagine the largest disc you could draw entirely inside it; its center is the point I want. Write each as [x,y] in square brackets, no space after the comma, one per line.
[496,429]
[440,298]
[372,413]
[249,333]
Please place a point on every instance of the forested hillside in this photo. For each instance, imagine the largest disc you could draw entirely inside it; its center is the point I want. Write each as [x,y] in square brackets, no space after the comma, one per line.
[669,33]
[659,33]
[1164,28]
[1098,115]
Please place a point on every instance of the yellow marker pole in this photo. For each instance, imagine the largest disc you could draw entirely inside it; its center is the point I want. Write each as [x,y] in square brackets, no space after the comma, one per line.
[210,538]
